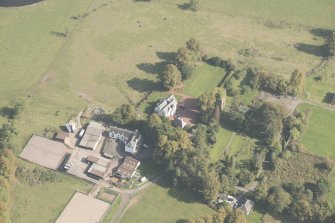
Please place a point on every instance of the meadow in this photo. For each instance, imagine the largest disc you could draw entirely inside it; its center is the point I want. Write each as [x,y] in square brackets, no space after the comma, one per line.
[203,79]
[43,203]
[160,203]
[59,56]
[223,138]
[319,135]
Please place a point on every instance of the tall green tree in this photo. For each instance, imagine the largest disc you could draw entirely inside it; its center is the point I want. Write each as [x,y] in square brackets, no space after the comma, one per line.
[171,76]
[194,46]
[279,199]
[331,45]
[123,115]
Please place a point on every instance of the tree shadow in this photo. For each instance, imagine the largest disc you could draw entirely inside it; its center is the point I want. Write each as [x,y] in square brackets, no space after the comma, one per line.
[142,85]
[329,98]
[17,3]
[184,195]
[7,112]
[319,51]
[184,6]
[167,56]
[155,68]
[324,33]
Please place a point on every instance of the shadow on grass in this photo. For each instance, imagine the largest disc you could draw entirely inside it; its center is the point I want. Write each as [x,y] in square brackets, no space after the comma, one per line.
[7,112]
[142,85]
[324,33]
[319,51]
[184,6]
[167,56]
[17,3]
[182,194]
[316,50]
[152,68]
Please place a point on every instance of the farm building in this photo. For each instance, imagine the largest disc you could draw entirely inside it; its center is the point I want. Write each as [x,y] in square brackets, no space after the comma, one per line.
[92,135]
[109,148]
[130,139]
[245,205]
[61,136]
[179,122]
[97,170]
[167,107]
[127,168]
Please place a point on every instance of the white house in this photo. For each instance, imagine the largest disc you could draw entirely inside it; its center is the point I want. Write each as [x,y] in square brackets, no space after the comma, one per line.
[167,107]
[130,139]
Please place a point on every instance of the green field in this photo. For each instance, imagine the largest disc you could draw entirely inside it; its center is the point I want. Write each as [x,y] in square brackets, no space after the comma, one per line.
[59,56]
[319,135]
[162,204]
[114,53]
[222,139]
[203,79]
[43,203]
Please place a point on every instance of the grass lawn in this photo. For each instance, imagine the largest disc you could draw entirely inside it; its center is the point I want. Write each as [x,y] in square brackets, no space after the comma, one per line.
[255,217]
[319,135]
[162,204]
[44,203]
[319,88]
[114,54]
[222,139]
[204,78]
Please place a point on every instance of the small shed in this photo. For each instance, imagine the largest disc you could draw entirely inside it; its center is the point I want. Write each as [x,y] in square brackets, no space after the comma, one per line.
[61,136]
[179,122]
[97,170]
[92,159]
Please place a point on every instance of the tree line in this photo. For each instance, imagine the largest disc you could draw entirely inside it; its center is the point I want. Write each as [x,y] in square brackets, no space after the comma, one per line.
[8,159]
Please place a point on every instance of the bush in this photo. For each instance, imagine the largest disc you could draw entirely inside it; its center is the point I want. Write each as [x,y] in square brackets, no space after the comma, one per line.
[36,175]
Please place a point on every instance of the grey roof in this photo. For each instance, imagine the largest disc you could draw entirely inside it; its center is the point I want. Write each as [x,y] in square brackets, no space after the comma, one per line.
[167,104]
[92,159]
[127,133]
[92,135]
[62,135]
[179,122]
[109,147]
[97,170]
[247,206]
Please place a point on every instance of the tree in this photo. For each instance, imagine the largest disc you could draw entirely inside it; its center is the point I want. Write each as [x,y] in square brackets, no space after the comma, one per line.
[185,57]
[194,46]
[208,101]
[301,210]
[331,45]
[18,108]
[171,76]
[194,5]
[210,185]
[237,216]
[265,121]
[123,115]
[7,131]
[279,199]
[296,81]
